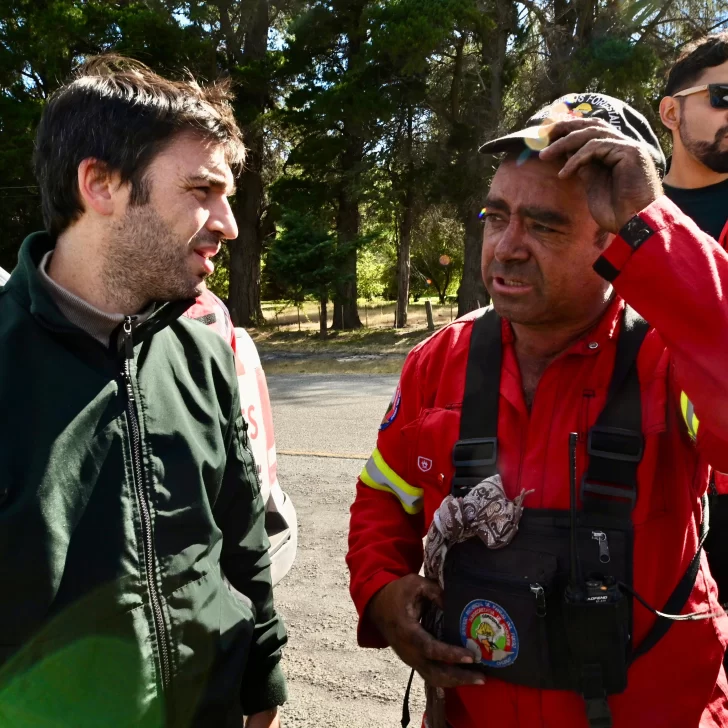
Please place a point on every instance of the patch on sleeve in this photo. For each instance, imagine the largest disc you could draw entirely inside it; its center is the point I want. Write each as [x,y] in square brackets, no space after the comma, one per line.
[489,633]
[392,409]
[688,413]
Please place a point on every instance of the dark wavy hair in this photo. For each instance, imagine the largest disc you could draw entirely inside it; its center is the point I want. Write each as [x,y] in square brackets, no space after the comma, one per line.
[120,112]
[712,50]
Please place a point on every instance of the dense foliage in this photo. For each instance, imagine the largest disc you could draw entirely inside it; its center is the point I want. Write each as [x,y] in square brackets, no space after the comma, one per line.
[362,117]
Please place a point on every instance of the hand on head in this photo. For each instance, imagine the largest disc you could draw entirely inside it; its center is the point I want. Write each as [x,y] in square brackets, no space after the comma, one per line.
[619,174]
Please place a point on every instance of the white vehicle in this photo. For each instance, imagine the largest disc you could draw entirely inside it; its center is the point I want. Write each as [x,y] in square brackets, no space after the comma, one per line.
[280,515]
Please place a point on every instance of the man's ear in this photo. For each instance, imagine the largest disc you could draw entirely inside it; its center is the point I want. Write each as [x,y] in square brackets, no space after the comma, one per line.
[99,188]
[670,112]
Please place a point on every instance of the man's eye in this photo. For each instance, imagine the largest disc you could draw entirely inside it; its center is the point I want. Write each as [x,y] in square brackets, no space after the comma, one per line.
[543,228]
[204,190]
[491,217]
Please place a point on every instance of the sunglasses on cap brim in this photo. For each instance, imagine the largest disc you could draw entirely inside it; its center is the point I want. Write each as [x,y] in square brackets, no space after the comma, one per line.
[718,93]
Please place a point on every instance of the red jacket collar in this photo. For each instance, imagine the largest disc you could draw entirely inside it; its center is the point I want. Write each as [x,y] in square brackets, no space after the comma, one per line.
[593,340]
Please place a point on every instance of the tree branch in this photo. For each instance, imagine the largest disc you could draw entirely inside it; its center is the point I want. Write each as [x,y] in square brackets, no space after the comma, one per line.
[232,42]
[655,21]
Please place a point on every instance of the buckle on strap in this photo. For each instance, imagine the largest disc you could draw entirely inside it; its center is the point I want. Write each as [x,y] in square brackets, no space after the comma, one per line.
[476,452]
[623,493]
[474,460]
[613,443]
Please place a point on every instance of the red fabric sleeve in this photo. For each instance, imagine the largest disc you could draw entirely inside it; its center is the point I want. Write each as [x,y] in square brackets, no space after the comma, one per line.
[677,279]
[385,542]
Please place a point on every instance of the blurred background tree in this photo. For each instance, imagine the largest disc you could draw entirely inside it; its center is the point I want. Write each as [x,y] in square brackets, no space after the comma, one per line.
[362,118]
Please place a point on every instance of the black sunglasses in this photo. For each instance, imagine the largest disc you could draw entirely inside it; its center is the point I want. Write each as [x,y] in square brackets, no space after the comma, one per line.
[718,93]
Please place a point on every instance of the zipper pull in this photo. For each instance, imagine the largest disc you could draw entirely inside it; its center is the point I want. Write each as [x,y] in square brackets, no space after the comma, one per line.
[540,595]
[128,340]
[601,538]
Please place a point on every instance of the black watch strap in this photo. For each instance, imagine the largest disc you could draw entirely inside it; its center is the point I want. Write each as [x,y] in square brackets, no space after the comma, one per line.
[635,231]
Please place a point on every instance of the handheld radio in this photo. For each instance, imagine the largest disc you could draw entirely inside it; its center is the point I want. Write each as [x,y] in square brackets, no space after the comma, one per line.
[596,619]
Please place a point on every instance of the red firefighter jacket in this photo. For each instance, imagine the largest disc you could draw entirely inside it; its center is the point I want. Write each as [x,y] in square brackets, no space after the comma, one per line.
[210,310]
[678,280]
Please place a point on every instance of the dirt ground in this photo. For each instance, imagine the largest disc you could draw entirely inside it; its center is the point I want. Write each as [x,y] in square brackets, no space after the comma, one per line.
[332,682]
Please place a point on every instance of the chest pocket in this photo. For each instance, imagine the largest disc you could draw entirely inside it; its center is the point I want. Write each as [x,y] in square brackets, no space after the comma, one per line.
[429,442]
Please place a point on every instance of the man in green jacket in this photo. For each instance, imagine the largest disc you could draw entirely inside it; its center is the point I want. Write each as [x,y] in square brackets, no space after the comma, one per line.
[134,573]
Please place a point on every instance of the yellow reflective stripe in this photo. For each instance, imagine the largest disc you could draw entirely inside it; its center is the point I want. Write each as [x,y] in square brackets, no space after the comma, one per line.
[688,413]
[378,475]
[393,477]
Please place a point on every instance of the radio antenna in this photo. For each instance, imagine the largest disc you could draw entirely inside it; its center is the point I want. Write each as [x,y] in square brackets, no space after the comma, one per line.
[575,576]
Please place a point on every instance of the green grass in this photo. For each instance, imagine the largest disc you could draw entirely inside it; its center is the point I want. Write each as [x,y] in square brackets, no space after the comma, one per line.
[373,314]
[379,341]
[391,365]
[321,356]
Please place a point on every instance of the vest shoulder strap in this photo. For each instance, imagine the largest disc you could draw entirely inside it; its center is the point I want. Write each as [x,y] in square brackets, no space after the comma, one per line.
[615,442]
[476,452]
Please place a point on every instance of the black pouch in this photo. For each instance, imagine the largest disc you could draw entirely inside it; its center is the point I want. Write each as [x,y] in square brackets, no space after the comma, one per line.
[508,604]
[716,546]
[598,638]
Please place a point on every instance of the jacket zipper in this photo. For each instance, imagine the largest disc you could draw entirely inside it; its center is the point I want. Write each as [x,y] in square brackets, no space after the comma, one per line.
[601,538]
[138,476]
[538,591]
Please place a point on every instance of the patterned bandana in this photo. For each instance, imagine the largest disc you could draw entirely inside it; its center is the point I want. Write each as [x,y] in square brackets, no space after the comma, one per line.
[486,513]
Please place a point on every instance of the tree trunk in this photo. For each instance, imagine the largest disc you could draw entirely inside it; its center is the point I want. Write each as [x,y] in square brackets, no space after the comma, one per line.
[560,43]
[246,251]
[405,237]
[472,293]
[493,48]
[323,316]
[346,314]
[443,293]
[403,267]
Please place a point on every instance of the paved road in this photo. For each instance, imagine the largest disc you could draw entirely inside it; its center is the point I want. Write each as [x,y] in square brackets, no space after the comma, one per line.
[332,682]
[324,413]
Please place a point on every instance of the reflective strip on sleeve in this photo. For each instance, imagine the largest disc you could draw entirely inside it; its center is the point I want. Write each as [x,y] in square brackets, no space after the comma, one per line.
[688,413]
[378,475]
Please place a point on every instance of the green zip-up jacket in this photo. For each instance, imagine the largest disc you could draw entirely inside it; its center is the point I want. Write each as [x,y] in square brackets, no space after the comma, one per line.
[131,524]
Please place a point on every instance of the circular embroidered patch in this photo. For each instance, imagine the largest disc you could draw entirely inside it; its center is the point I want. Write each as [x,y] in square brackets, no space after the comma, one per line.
[489,633]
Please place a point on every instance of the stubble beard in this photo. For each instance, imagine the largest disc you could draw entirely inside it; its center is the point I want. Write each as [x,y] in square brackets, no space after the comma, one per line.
[146,262]
[711,154]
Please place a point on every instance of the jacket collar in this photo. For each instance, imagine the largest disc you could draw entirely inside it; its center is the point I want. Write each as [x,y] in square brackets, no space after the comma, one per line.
[594,340]
[26,286]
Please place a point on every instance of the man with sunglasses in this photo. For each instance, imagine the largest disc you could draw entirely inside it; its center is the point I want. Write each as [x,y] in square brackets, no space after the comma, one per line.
[695,109]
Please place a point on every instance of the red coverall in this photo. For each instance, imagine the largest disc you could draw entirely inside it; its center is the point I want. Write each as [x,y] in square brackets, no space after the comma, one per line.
[210,310]
[678,280]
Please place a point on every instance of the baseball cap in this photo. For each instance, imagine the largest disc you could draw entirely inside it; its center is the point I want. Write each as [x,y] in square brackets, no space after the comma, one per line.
[589,105]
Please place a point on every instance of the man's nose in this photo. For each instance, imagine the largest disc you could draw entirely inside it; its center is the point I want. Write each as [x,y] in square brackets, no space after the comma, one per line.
[222,220]
[511,243]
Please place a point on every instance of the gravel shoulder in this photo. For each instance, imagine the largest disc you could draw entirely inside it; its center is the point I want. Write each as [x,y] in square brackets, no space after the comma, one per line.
[332,682]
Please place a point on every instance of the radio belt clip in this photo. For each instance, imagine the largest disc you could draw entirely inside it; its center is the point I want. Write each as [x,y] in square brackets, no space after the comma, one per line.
[595,697]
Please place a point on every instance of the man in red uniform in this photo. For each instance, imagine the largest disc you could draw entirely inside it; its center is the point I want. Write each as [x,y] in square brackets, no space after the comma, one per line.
[695,110]
[572,233]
